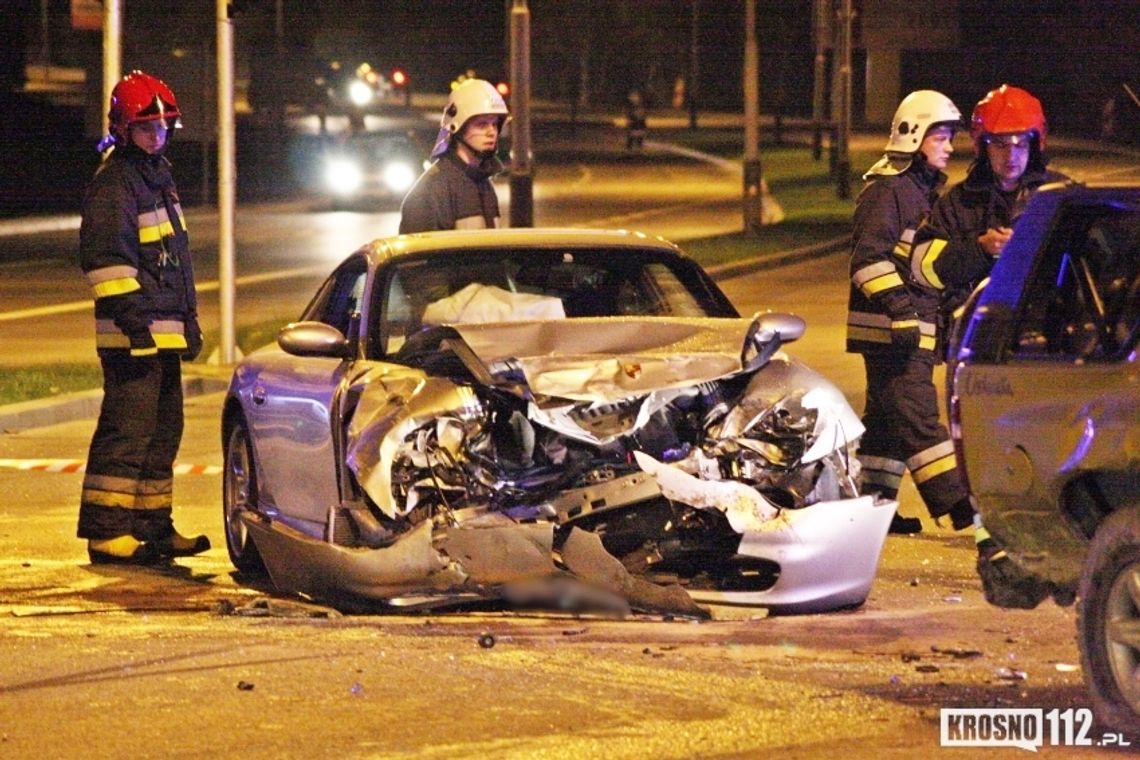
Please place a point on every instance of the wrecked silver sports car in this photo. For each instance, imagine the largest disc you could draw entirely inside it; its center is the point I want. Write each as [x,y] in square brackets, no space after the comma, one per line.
[538,417]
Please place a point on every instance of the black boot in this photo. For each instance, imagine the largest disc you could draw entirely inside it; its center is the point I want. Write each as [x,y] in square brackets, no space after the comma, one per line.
[906,526]
[121,550]
[177,545]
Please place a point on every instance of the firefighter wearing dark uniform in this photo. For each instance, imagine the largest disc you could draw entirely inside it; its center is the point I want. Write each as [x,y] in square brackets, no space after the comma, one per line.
[969,225]
[956,248]
[455,192]
[892,319]
[135,254]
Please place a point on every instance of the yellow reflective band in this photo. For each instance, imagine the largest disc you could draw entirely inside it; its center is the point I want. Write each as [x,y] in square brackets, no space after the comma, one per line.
[934,469]
[143,351]
[902,250]
[869,334]
[880,478]
[926,263]
[108,498]
[116,287]
[980,534]
[154,233]
[879,284]
[169,340]
[927,342]
[896,466]
[156,501]
[902,324]
[112,340]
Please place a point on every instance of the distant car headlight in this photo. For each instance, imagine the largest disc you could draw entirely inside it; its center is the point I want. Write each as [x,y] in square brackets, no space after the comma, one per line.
[360,92]
[398,176]
[343,176]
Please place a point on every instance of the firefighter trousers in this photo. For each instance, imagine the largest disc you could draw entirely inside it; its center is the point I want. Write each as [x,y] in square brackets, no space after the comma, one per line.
[128,486]
[904,434]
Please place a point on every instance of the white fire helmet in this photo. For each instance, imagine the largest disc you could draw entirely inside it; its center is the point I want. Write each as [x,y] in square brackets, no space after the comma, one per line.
[473,97]
[916,114]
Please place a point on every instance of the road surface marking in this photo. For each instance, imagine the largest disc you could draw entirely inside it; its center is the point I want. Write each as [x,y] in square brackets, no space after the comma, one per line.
[205,287]
[79,465]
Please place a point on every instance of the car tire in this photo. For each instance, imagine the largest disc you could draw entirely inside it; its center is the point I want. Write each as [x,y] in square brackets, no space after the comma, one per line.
[239,495]
[1108,616]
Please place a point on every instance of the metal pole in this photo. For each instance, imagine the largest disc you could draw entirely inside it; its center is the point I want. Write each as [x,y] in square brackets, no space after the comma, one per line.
[752,175]
[112,49]
[694,63]
[227,183]
[522,159]
[843,159]
[819,103]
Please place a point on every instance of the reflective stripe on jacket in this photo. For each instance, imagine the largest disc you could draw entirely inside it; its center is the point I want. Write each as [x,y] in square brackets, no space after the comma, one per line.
[883,290]
[134,251]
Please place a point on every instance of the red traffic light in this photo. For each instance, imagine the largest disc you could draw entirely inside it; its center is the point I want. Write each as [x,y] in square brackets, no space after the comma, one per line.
[399,78]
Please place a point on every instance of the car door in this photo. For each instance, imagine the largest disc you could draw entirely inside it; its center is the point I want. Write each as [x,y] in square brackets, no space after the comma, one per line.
[1060,394]
[293,405]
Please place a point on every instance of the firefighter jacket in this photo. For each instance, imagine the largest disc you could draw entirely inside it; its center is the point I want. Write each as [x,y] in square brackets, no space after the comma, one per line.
[947,255]
[884,296]
[135,253]
[452,195]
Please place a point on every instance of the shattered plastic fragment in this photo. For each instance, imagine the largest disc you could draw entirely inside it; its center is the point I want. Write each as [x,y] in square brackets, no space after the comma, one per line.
[744,506]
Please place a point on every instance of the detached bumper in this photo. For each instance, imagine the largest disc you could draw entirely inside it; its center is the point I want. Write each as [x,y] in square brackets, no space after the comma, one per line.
[827,553]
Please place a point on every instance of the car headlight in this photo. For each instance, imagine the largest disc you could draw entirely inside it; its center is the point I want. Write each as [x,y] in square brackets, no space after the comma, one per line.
[399,176]
[360,92]
[343,176]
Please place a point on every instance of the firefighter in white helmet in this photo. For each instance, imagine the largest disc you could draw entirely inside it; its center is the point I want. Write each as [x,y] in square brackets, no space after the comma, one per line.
[892,318]
[455,192]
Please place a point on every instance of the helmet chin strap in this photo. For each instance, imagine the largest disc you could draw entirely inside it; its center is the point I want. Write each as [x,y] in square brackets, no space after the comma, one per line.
[482,155]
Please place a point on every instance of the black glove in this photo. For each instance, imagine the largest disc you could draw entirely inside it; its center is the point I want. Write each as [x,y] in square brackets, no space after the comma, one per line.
[905,334]
[193,340]
[142,345]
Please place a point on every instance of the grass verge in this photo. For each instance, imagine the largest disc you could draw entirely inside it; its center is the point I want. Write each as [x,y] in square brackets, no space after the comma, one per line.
[42,381]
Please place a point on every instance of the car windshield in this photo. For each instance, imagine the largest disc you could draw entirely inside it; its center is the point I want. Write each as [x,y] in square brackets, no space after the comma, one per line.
[496,286]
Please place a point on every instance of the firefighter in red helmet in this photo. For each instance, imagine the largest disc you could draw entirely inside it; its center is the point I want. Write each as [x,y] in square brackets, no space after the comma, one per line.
[956,247]
[970,225]
[135,253]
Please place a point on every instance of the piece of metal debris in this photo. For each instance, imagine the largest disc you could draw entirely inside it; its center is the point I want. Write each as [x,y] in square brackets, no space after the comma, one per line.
[1010,674]
[487,640]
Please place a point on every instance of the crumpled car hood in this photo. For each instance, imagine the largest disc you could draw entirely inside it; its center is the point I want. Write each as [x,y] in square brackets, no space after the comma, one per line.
[609,359]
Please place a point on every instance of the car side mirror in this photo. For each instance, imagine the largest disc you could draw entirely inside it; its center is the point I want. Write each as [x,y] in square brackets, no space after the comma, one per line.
[314,339]
[766,334]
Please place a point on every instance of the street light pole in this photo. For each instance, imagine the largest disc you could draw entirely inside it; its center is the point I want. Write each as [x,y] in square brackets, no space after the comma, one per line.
[227,182]
[522,160]
[694,62]
[112,49]
[752,175]
[843,130]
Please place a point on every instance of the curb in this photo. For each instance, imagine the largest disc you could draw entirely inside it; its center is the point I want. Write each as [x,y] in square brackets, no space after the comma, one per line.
[795,255]
[83,405]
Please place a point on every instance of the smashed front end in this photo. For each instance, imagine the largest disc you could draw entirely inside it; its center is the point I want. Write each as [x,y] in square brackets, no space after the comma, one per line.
[637,464]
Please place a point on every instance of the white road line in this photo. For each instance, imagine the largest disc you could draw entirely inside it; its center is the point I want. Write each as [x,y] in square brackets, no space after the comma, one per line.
[253,279]
[79,465]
